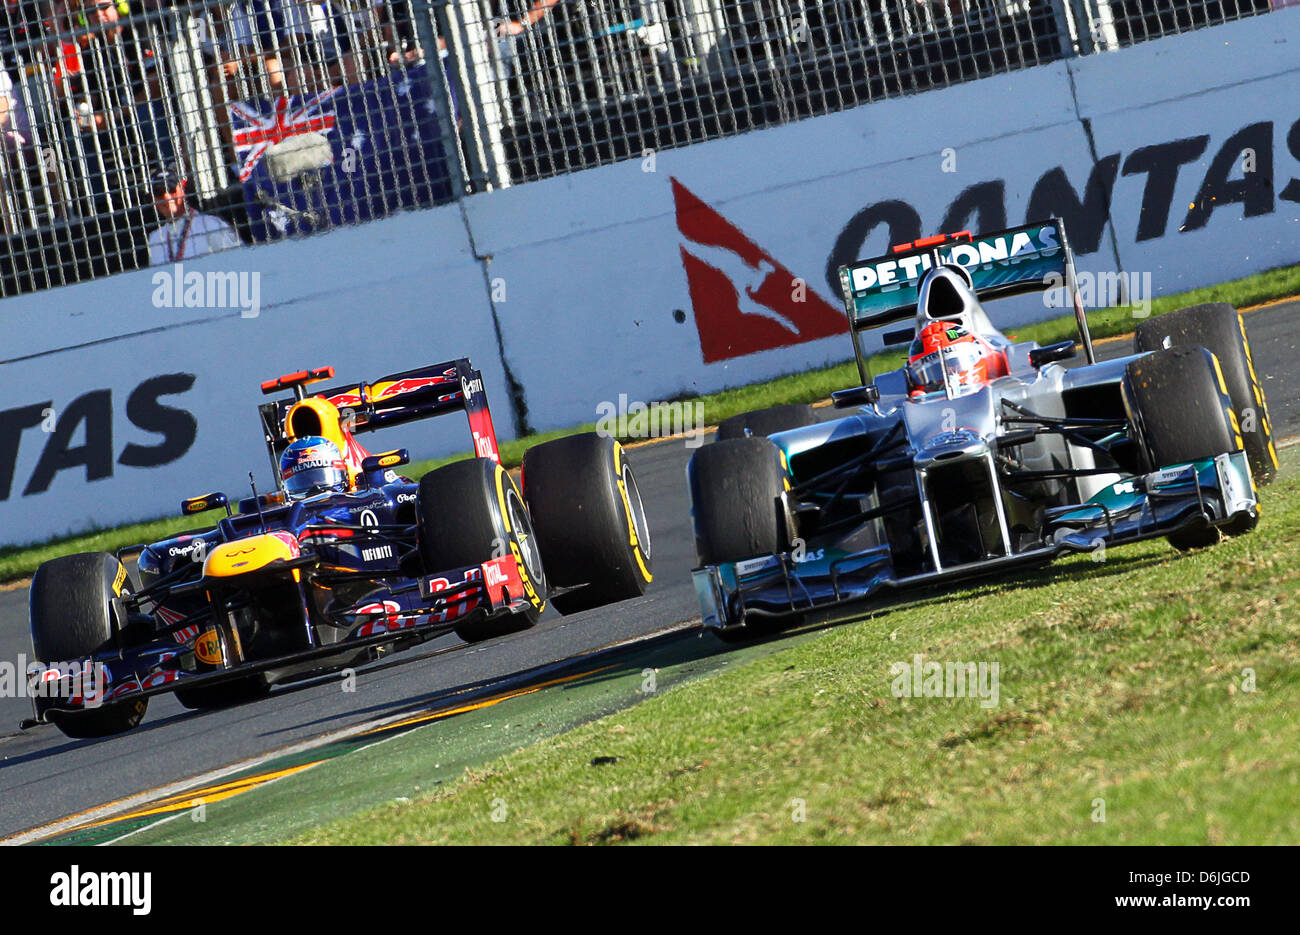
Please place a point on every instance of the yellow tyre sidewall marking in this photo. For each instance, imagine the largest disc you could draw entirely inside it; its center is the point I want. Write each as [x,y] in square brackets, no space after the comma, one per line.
[1226,400]
[1258,388]
[530,589]
[646,575]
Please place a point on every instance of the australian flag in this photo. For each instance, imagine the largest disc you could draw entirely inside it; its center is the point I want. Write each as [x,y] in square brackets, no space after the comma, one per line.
[343,156]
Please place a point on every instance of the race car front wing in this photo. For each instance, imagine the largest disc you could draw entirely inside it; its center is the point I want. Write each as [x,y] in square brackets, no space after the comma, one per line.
[425,608]
[1214,491]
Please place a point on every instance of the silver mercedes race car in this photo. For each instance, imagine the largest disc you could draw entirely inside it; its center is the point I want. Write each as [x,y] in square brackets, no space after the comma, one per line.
[982,454]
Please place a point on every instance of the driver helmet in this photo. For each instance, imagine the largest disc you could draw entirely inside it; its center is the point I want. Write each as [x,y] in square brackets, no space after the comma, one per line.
[312,465]
[971,361]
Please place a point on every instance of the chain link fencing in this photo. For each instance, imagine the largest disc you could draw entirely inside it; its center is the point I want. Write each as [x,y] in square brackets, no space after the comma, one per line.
[149,132]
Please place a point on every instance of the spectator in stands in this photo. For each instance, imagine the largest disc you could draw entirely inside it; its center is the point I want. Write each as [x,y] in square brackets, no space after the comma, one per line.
[15,127]
[400,43]
[319,46]
[152,34]
[17,154]
[20,32]
[302,46]
[254,34]
[185,233]
[510,33]
[107,83]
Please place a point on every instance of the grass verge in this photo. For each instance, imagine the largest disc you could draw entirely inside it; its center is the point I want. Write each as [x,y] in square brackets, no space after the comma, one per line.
[1154,690]
[20,561]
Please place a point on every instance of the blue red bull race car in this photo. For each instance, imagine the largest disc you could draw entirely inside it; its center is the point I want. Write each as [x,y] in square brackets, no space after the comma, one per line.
[344,561]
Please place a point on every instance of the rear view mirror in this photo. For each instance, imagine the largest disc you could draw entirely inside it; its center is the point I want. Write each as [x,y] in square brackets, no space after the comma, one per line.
[867,395]
[1062,350]
[204,503]
[389,459]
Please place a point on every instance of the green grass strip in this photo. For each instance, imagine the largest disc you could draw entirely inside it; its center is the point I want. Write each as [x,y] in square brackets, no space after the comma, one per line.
[1149,697]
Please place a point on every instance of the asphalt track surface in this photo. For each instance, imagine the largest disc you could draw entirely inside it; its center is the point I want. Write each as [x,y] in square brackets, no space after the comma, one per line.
[45,777]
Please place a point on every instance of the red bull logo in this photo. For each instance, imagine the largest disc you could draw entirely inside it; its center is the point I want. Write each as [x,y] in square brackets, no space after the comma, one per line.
[390,389]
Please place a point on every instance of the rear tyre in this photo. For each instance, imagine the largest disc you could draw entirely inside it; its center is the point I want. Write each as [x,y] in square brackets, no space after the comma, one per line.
[591,525]
[471,512]
[1220,329]
[735,489]
[1180,414]
[764,422]
[72,618]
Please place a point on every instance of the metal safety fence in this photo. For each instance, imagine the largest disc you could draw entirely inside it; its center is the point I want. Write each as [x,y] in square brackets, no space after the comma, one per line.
[137,132]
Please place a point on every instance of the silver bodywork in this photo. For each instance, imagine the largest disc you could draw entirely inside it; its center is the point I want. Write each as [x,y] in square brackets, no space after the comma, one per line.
[1032,465]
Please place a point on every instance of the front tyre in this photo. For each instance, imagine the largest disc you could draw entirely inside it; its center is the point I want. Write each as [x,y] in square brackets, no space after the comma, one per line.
[73,618]
[591,525]
[1220,329]
[1180,414]
[735,487]
[468,513]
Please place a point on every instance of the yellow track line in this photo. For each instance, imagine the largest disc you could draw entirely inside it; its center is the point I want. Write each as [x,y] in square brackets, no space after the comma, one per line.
[486,703]
[199,797]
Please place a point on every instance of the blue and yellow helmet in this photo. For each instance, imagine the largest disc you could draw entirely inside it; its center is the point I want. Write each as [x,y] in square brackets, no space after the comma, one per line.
[312,465]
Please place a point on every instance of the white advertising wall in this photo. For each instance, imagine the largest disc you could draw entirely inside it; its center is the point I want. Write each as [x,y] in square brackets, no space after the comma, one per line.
[115,409]
[683,272]
[1217,114]
[760,215]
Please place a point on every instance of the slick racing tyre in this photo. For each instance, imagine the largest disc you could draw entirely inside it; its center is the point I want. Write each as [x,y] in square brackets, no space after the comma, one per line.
[1180,413]
[590,522]
[1220,329]
[73,618]
[735,489]
[764,422]
[468,513]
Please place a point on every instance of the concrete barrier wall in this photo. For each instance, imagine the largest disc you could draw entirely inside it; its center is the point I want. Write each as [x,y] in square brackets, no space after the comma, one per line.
[114,408]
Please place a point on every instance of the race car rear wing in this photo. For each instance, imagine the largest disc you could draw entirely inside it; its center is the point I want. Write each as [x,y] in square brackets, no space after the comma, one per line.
[1036,257]
[396,399]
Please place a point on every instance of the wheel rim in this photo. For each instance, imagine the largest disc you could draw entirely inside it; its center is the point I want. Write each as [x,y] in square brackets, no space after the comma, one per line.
[522,528]
[635,507]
